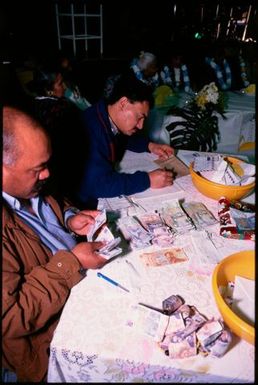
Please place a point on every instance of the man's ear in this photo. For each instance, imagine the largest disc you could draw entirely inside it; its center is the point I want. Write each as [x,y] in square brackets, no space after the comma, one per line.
[123,102]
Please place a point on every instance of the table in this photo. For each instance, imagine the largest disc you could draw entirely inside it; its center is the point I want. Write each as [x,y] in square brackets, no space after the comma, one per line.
[93,343]
[238,129]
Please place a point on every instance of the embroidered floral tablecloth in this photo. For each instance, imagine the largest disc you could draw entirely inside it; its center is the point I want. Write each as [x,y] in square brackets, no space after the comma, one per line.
[94,343]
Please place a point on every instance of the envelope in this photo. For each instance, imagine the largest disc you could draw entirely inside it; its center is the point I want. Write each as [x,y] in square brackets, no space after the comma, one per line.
[243,299]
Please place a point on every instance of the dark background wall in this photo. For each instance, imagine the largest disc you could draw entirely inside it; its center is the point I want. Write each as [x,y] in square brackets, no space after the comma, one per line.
[28,28]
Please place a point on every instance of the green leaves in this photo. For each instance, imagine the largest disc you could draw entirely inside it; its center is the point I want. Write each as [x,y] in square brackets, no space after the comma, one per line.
[198,131]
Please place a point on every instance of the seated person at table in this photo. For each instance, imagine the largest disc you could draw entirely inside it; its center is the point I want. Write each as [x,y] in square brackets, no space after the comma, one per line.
[41,257]
[217,68]
[235,58]
[175,73]
[145,68]
[61,118]
[111,126]
[72,90]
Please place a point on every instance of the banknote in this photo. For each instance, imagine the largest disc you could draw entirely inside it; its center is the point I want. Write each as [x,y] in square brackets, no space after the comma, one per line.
[147,321]
[134,232]
[191,325]
[151,221]
[161,236]
[183,348]
[110,249]
[100,219]
[209,332]
[171,304]
[175,217]
[219,347]
[199,214]
[164,257]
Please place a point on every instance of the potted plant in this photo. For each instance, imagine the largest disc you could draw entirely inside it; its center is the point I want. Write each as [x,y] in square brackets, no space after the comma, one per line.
[198,128]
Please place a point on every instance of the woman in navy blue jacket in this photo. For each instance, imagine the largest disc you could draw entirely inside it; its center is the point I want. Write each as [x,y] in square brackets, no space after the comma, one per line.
[112,126]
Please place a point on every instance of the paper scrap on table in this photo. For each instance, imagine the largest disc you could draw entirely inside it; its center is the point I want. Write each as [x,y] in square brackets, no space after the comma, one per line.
[243,299]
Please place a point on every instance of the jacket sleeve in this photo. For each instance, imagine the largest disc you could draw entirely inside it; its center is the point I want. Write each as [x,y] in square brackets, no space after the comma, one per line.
[31,298]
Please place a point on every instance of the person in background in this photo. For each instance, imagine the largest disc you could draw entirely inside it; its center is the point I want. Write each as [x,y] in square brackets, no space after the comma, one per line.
[175,73]
[145,68]
[41,256]
[234,56]
[113,126]
[61,118]
[217,68]
[72,90]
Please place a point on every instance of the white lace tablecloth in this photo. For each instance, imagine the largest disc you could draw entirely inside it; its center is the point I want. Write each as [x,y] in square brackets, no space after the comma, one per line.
[93,343]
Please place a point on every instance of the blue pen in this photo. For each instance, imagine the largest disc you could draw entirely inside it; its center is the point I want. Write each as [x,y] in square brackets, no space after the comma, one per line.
[111,281]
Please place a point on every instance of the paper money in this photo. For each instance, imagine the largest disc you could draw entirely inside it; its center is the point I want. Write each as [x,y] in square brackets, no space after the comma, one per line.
[147,321]
[175,217]
[151,221]
[164,257]
[171,304]
[199,214]
[219,347]
[110,249]
[100,219]
[183,348]
[134,232]
[209,332]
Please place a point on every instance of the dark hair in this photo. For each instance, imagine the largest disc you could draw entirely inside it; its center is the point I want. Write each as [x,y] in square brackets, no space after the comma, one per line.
[129,86]
[43,80]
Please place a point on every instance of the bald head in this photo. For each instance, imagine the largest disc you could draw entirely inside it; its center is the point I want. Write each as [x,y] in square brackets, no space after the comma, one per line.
[26,153]
[17,124]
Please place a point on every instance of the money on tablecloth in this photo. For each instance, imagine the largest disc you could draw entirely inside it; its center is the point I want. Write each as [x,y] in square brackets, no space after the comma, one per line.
[220,345]
[164,257]
[171,304]
[209,332]
[199,214]
[175,217]
[134,232]
[147,321]
[183,348]
[151,221]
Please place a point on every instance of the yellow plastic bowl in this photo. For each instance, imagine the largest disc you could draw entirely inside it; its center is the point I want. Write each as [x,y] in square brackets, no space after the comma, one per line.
[216,190]
[241,264]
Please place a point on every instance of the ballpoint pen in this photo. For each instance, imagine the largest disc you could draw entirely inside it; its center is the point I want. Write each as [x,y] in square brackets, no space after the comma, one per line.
[100,275]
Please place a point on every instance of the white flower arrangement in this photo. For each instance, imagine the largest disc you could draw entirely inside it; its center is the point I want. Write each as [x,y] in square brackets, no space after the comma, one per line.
[208,94]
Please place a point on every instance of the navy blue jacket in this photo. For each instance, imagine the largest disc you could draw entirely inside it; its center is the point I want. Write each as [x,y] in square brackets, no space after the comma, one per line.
[103,150]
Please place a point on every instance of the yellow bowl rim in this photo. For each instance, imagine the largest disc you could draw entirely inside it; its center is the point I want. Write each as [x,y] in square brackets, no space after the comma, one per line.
[209,182]
[236,320]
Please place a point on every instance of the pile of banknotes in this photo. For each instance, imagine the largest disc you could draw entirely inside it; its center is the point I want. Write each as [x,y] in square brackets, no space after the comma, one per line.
[162,226]
[180,330]
[100,232]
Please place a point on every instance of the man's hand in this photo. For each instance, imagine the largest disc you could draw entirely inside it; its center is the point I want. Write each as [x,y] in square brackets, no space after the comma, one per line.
[81,222]
[160,178]
[86,253]
[164,151]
